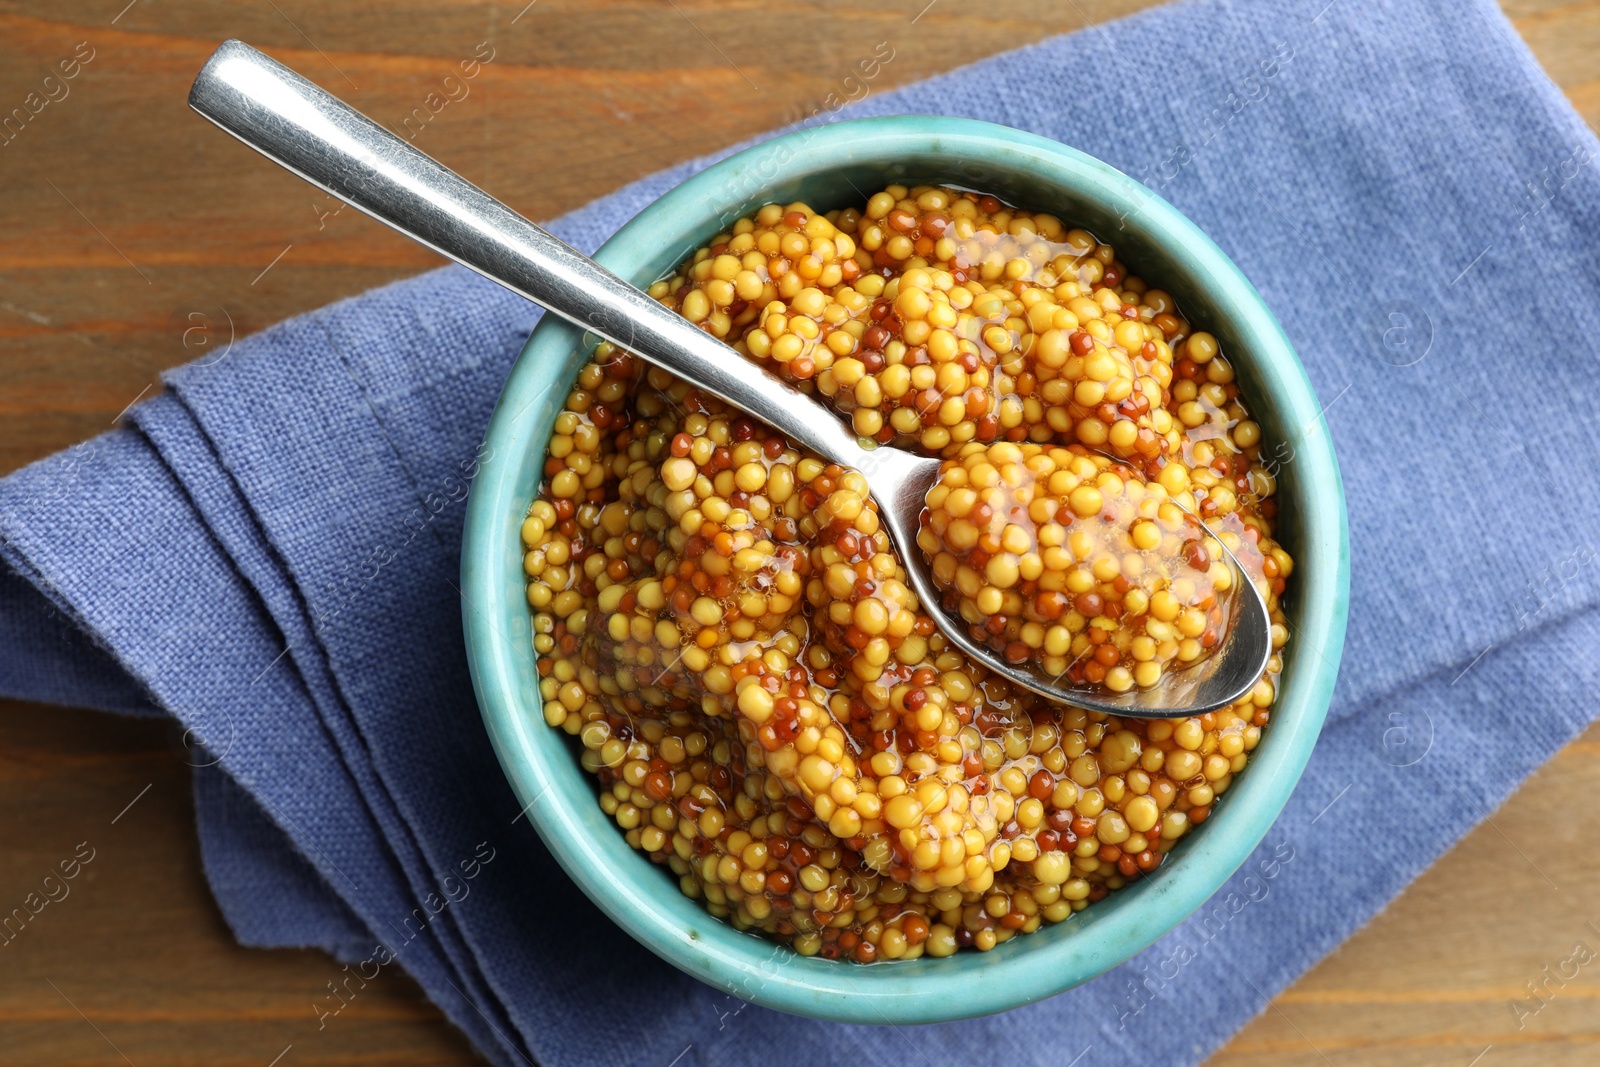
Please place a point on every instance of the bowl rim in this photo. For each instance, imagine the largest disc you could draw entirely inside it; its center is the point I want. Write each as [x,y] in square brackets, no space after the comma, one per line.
[535,757]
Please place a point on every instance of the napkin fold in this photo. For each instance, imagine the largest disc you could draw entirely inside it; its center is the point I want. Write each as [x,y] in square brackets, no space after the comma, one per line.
[268,551]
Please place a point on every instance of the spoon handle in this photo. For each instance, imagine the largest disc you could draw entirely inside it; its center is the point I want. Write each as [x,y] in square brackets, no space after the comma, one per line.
[336,148]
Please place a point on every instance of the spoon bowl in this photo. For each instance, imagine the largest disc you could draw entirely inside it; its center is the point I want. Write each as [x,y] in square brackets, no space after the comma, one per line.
[900,482]
[325,141]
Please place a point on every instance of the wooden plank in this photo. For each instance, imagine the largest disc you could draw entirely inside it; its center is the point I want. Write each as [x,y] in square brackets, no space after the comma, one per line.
[135,942]
[134,235]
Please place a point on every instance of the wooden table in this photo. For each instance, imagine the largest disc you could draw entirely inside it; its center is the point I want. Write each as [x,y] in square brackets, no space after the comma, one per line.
[134,235]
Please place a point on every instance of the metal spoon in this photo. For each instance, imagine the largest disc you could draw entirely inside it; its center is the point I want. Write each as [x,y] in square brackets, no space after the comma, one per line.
[299,126]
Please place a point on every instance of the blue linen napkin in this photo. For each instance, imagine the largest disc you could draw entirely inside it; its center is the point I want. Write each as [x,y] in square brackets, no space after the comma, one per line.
[268,551]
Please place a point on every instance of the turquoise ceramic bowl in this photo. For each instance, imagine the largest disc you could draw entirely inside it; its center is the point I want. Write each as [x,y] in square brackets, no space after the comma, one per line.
[825,166]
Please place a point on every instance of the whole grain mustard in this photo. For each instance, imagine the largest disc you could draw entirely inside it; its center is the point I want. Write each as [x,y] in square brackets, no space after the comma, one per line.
[722,625]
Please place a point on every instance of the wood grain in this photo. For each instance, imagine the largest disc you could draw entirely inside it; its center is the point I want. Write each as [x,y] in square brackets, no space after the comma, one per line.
[136,238]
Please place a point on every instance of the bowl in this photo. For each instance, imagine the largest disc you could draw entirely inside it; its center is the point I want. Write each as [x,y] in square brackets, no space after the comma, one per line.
[825,166]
